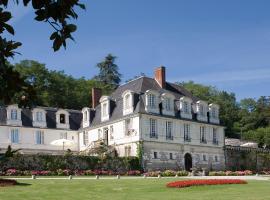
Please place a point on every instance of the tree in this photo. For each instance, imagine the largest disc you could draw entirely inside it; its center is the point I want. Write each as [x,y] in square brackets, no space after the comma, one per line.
[57,14]
[108,72]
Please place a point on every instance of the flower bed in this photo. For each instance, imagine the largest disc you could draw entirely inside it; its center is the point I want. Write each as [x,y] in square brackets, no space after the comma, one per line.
[188,183]
[166,173]
[231,173]
[6,182]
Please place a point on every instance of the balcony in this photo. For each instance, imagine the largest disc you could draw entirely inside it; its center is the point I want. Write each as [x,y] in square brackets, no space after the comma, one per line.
[154,136]
[203,141]
[187,139]
[215,142]
[169,137]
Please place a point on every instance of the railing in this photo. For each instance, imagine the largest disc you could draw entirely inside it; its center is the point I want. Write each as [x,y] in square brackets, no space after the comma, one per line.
[204,141]
[169,137]
[215,142]
[154,136]
[187,139]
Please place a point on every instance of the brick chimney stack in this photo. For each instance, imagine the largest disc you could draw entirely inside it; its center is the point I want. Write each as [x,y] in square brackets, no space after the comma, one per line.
[160,76]
[96,95]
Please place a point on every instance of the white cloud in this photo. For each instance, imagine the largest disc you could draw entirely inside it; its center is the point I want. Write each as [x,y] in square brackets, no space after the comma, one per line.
[239,76]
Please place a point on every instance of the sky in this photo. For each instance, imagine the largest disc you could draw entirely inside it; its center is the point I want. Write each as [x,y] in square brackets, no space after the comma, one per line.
[223,43]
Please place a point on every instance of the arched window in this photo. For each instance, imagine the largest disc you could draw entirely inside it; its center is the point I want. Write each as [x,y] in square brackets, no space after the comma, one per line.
[14,115]
[127,104]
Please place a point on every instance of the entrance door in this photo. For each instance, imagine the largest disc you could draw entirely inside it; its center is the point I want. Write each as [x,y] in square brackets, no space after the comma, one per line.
[106,133]
[188,162]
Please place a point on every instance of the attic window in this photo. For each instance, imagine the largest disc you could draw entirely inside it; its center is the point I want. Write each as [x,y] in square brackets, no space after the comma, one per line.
[85,116]
[151,100]
[127,100]
[62,118]
[14,114]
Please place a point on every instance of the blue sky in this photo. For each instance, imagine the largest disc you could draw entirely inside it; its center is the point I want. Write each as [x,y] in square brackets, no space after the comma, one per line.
[221,43]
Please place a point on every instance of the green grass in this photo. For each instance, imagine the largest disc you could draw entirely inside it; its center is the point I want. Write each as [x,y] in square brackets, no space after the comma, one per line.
[136,189]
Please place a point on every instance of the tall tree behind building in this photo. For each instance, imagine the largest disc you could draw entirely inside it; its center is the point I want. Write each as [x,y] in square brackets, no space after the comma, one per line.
[108,72]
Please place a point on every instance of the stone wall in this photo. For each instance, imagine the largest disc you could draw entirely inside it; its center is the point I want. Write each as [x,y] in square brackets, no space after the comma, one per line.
[243,158]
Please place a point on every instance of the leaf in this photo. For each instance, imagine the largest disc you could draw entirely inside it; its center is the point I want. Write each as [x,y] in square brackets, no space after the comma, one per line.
[71,27]
[41,15]
[5,16]
[54,35]
[37,4]
[9,28]
[25,2]
[57,43]
[82,6]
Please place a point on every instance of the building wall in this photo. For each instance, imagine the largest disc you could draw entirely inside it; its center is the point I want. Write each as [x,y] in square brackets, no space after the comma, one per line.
[178,147]
[178,151]
[117,138]
[27,139]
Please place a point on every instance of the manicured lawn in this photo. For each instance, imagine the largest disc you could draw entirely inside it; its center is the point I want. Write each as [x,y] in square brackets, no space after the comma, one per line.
[136,189]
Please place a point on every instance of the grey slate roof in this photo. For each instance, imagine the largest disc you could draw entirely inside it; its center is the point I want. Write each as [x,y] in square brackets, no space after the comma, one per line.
[139,86]
[75,117]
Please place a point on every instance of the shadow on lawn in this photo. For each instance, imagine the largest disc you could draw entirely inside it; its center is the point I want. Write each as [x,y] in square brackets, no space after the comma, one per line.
[23,184]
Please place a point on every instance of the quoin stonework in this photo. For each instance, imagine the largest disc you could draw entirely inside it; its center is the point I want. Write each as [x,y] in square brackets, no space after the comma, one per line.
[172,128]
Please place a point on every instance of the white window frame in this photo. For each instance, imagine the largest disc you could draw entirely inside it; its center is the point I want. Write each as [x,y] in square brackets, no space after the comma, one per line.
[105,108]
[186,107]
[12,111]
[201,110]
[128,99]
[167,104]
[152,99]
[203,134]
[187,137]
[153,128]
[39,137]
[85,138]
[62,125]
[169,130]
[14,136]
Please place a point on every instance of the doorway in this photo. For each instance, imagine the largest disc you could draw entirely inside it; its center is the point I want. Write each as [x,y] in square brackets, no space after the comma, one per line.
[188,162]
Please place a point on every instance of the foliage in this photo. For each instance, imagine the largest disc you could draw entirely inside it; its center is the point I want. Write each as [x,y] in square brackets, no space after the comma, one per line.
[55,88]
[6,182]
[231,173]
[57,14]
[108,72]
[188,183]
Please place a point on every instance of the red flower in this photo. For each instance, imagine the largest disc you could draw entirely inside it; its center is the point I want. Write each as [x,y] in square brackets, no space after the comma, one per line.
[188,183]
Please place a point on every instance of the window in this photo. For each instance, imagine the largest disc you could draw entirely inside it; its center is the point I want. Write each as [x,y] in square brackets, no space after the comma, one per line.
[214,113]
[187,132]
[39,137]
[171,156]
[215,141]
[204,158]
[62,118]
[127,101]
[155,155]
[216,159]
[99,134]
[63,135]
[14,114]
[128,127]
[111,132]
[14,136]
[127,151]
[169,130]
[151,100]
[85,138]
[85,116]
[203,134]
[39,116]
[167,102]
[104,109]
[185,107]
[153,128]
[201,110]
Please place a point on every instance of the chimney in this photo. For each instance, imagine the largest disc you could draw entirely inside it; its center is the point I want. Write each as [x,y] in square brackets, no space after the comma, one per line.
[96,95]
[160,76]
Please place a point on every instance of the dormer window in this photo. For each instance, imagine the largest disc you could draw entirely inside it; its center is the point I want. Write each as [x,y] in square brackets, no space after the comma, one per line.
[167,104]
[128,97]
[14,115]
[105,108]
[62,119]
[86,117]
[214,113]
[201,109]
[185,107]
[152,101]
[39,117]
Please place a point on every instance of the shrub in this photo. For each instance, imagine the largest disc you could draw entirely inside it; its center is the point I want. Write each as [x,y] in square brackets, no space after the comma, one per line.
[182,173]
[7,182]
[152,173]
[188,183]
[134,173]
[168,173]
